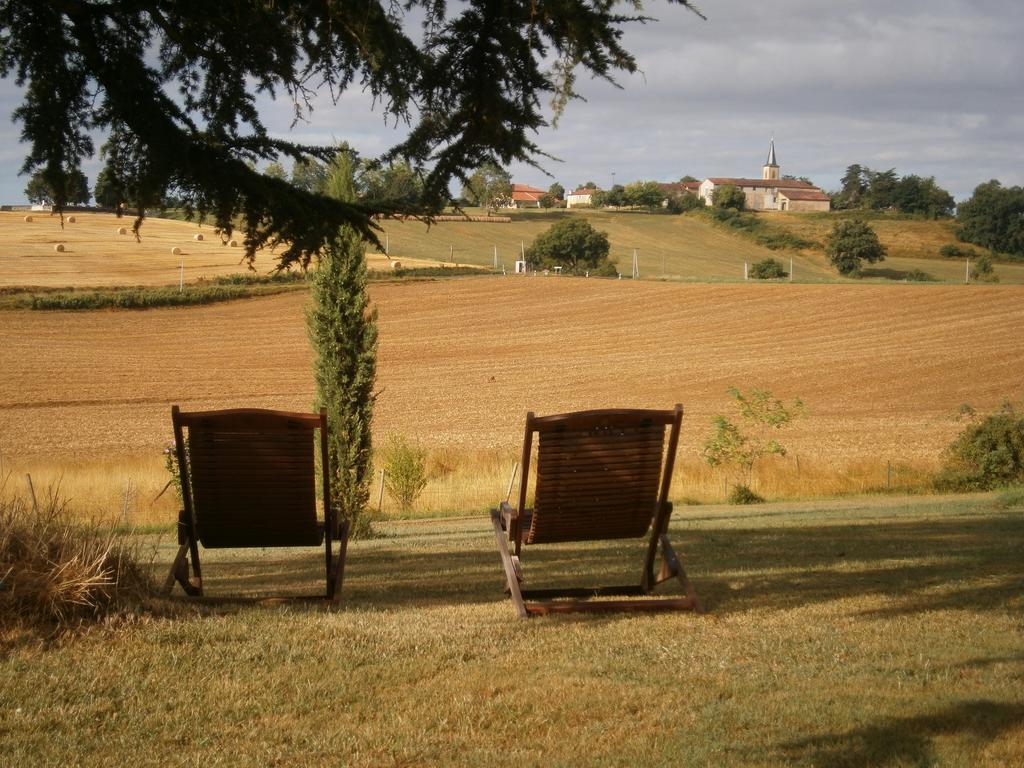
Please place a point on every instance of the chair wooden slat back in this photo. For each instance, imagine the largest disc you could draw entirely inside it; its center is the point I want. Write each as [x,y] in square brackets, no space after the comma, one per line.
[250,480]
[599,475]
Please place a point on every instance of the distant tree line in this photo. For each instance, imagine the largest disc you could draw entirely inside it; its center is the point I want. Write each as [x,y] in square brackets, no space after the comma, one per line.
[866,189]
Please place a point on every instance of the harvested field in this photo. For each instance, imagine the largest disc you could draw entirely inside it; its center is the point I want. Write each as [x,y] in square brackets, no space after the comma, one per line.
[96,256]
[882,369]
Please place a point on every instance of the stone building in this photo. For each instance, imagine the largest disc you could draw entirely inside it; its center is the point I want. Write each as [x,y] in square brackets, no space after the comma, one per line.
[770,192]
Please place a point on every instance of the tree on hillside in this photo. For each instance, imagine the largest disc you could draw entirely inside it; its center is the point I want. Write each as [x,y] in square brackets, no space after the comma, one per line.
[851,242]
[557,191]
[729,196]
[689,178]
[109,191]
[571,243]
[490,186]
[396,183]
[309,175]
[39,190]
[993,218]
[643,194]
[176,85]
[853,186]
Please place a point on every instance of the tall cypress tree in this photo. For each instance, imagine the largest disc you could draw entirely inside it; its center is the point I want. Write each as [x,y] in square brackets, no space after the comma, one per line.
[343,330]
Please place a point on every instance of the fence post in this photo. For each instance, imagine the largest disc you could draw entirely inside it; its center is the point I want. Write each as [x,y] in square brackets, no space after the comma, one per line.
[127,501]
[380,494]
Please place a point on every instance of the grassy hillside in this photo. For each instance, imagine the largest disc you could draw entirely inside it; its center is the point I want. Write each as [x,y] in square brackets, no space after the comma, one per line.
[692,246]
[676,247]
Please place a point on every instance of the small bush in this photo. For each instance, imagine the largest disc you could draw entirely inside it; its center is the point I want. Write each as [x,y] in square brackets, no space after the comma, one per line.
[988,454]
[919,276]
[741,494]
[405,471]
[768,269]
[57,571]
[607,269]
[983,272]
[951,251]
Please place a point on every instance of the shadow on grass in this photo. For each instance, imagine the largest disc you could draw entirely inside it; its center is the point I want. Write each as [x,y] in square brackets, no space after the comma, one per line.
[907,740]
[920,565]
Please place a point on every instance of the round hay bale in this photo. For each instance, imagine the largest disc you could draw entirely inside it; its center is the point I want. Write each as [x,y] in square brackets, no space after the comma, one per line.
[28,219]
[396,265]
[59,247]
[72,219]
[122,230]
[232,243]
[198,236]
[176,251]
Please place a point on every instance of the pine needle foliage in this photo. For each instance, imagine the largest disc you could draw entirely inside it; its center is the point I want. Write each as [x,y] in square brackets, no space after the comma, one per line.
[342,327]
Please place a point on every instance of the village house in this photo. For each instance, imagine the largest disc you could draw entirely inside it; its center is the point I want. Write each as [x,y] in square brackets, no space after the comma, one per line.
[770,192]
[525,196]
[581,197]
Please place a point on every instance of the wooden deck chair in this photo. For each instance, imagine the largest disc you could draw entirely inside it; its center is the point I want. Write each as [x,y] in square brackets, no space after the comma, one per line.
[600,475]
[248,480]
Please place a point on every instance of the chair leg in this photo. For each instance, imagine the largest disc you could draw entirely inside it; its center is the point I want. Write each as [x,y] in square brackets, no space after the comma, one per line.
[675,566]
[335,579]
[512,577]
[179,571]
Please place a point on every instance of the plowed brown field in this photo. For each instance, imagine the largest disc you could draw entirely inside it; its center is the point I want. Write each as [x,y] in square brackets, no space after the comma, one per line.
[882,369]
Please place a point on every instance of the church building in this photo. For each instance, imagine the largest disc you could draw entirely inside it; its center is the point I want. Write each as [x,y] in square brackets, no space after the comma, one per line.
[771,193]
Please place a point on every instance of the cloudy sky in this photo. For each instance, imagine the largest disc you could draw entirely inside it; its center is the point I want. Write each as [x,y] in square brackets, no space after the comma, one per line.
[932,87]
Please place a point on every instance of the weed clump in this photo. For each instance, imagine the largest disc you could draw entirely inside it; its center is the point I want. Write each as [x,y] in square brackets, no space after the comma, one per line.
[742,494]
[405,471]
[56,571]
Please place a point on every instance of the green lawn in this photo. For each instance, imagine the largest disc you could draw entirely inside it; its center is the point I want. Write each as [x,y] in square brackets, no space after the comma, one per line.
[862,632]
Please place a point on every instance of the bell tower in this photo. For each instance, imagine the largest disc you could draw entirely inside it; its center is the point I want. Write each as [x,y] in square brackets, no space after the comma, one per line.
[771,168]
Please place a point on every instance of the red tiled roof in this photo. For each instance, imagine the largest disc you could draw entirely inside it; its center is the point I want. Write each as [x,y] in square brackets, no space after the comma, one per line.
[527,194]
[773,183]
[679,186]
[805,194]
[583,191]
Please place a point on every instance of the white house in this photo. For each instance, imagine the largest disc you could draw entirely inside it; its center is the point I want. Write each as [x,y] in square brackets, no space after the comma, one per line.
[580,197]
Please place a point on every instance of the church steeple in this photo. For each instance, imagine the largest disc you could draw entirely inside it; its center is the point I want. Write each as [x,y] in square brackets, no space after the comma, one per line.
[771,167]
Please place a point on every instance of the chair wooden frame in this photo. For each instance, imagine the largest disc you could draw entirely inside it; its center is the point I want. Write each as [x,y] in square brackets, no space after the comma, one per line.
[272,451]
[603,451]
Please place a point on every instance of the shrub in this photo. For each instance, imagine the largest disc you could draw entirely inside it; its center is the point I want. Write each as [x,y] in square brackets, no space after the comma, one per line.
[768,269]
[919,276]
[741,494]
[983,272]
[57,571]
[729,196]
[405,471]
[607,268]
[988,454]
[951,251]
[683,203]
